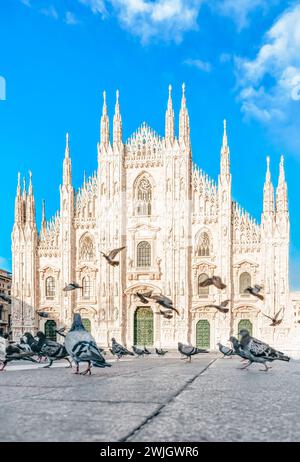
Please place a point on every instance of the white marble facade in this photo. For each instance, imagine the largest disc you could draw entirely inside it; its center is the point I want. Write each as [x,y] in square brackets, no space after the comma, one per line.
[177,225]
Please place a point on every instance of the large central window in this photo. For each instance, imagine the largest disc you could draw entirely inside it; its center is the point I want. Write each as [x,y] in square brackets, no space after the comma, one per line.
[144,197]
[143,254]
[50,287]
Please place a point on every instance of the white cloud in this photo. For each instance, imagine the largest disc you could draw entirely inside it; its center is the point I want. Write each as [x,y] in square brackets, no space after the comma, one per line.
[71,19]
[240,10]
[147,19]
[269,84]
[199,64]
[50,11]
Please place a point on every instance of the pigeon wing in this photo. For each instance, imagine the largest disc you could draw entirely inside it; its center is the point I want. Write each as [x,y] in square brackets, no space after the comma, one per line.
[206,282]
[114,252]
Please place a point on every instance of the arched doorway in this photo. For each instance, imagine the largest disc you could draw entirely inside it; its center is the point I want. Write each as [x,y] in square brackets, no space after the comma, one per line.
[203,334]
[245,324]
[143,326]
[50,327]
[87,324]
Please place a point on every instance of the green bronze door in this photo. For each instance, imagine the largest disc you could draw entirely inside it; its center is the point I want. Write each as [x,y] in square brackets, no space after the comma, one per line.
[203,334]
[87,324]
[50,327]
[143,326]
[245,324]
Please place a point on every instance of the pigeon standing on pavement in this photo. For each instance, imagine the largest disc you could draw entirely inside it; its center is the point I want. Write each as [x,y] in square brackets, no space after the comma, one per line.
[147,352]
[160,352]
[239,351]
[111,255]
[255,291]
[225,350]
[189,351]
[52,350]
[12,352]
[215,281]
[119,350]
[138,351]
[82,347]
[258,351]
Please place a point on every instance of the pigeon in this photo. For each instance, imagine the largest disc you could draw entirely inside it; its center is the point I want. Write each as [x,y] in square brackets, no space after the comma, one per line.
[72,286]
[147,352]
[6,298]
[138,351]
[214,280]
[53,351]
[275,321]
[255,291]
[160,352]
[61,331]
[42,314]
[225,350]
[239,351]
[12,352]
[189,351]
[111,255]
[143,297]
[220,307]
[82,347]
[165,302]
[258,351]
[35,345]
[119,350]
[166,314]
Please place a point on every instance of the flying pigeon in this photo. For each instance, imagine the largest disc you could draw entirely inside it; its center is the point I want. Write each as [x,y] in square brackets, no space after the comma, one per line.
[225,350]
[160,352]
[82,347]
[255,291]
[43,314]
[6,298]
[165,302]
[53,351]
[119,350]
[220,307]
[111,255]
[72,286]
[275,321]
[143,297]
[214,280]
[258,351]
[166,314]
[189,351]
[138,351]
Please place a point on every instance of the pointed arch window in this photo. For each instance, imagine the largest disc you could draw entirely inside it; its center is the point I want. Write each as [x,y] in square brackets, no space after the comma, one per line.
[143,254]
[204,245]
[202,290]
[143,197]
[86,248]
[245,281]
[50,287]
[86,287]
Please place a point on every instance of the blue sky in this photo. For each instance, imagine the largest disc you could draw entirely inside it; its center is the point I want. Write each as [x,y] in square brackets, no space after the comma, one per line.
[240,60]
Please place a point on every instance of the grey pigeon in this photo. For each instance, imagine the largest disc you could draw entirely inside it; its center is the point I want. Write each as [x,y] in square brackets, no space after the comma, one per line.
[72,286]
[239,351]
[82,347]
[119,350]
[189,351]
[258,351]
[52,350]
[12,352]
[147,352]
[220,307]
[215,281]
[165,302]
[6,298]
[138,351]
[43,314]
[111,255]
[275,321]
[166,314]
[254,291]
[144,296]
[225,350]
[160,352]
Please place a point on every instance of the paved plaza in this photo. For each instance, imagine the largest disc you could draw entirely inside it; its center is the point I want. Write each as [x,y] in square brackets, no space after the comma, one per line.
[151,400]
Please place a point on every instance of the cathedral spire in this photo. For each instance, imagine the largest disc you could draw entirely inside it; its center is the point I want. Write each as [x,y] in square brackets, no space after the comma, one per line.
[19,215]
[67,166]
[268,206]
[24,194]
[281,191]
[169,125]
[43,225]
[104,125]
[30,204]
[117,129]
[225,160]
[184,121]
